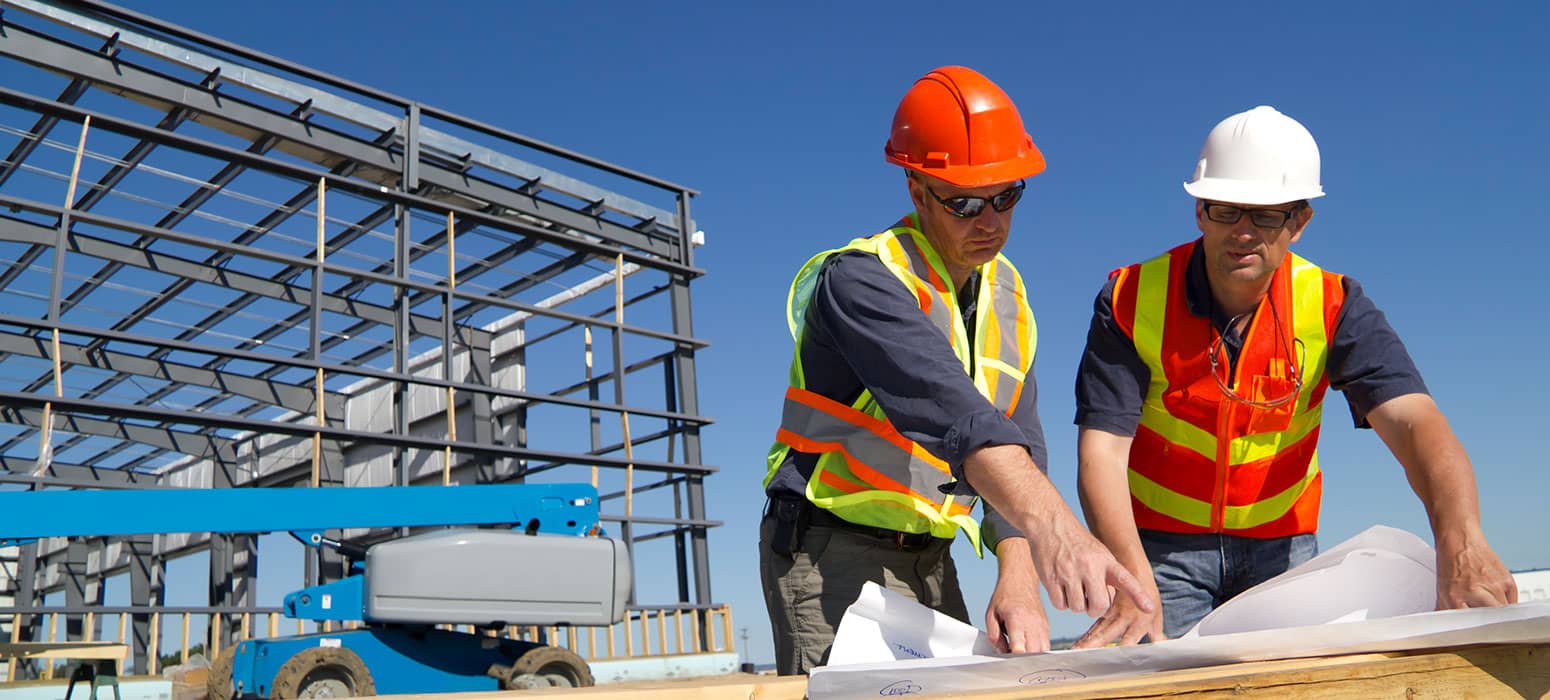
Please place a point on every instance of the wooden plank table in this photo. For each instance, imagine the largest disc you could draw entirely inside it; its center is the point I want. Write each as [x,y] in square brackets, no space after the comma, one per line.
[1488,671]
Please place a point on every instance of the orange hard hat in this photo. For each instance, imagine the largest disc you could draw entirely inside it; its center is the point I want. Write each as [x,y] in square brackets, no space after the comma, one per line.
[956,125]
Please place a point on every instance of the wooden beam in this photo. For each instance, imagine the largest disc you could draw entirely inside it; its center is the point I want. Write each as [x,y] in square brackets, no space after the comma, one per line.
[64,650]
[1509,670]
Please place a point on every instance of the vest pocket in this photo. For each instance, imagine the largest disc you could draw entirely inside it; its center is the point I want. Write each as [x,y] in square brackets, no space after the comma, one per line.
[1271,420]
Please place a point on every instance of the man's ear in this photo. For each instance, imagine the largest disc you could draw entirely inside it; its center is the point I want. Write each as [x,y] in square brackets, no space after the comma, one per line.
[1302,217]
[1200,216]
[917,192]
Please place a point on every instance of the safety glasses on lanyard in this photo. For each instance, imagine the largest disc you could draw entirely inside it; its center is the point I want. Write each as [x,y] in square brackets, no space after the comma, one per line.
[1215,352]
[970,207]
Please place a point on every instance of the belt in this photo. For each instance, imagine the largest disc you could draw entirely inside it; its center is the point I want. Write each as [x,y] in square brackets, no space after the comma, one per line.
[906,541]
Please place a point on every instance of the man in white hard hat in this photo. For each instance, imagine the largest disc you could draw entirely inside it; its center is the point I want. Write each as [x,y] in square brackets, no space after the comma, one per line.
[1201,388]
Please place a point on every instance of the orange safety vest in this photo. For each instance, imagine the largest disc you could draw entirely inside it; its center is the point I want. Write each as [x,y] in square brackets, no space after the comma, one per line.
[867,472]
[1202,461]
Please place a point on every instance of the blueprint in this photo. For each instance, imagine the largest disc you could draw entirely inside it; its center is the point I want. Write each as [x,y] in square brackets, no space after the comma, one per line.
[1372,593]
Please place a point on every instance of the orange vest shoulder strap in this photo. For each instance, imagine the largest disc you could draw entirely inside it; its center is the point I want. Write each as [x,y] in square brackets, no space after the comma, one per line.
[1123,299]
[1334,300]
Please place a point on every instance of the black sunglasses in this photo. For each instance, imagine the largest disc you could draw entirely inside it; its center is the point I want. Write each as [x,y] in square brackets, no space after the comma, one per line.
[1263,218]
[970,207]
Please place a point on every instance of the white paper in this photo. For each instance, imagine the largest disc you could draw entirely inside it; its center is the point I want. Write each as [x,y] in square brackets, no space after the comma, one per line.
[1524,623]
[1374,592]
[1382,572]
[883,625]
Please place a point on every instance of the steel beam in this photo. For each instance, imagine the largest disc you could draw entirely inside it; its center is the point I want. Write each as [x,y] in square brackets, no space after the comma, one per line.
[270,392]
[26,404]
[28,411]
[312,142]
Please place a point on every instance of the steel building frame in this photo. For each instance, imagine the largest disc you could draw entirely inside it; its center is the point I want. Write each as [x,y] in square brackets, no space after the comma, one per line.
[229,270]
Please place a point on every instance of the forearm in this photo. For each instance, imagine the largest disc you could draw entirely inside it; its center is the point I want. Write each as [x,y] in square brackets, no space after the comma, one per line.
[1006,476]
[1436,466]
[1014,559]
[1103,486]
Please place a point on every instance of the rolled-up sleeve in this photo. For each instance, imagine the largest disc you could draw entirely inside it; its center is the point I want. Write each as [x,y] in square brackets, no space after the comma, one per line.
[1111,379]
[1367,360]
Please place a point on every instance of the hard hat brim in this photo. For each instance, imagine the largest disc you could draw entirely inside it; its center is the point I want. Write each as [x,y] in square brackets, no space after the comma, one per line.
[1240,192]
[1030,163]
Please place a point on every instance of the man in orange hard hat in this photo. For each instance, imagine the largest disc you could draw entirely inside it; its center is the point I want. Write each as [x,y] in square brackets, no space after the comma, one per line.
[1201,391]
[912,390]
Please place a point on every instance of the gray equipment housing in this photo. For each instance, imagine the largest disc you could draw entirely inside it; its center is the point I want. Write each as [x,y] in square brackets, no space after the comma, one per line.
[497,577]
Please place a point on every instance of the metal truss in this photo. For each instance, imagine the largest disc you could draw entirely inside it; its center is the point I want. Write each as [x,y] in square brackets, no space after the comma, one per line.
[224,269]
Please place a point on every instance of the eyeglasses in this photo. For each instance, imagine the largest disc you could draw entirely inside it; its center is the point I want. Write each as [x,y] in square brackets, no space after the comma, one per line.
[970,207]
[1296,369]
[1263,218]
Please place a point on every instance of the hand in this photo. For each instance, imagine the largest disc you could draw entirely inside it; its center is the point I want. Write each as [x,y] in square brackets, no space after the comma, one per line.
[1125,622]
[1015,619]
[1074,566]
[1078,571]
[1470,575]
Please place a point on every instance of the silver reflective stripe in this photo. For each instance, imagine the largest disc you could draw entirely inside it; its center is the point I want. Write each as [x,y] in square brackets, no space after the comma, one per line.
[867,447]
[1008,300]
[941,313]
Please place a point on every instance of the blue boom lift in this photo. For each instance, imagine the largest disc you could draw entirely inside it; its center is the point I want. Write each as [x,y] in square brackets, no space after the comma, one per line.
[543,565]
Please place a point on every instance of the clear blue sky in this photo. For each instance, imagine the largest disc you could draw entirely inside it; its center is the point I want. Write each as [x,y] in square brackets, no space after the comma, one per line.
[1430,117]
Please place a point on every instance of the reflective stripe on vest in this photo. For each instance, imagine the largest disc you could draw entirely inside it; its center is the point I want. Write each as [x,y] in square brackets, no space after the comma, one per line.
[1261,478]
[867,472]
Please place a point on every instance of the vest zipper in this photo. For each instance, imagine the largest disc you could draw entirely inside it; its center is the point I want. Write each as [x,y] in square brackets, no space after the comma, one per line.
[1219,499]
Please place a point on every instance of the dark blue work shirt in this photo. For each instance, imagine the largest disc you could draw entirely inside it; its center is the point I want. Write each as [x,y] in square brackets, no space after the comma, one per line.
[1367,361]
[863,329]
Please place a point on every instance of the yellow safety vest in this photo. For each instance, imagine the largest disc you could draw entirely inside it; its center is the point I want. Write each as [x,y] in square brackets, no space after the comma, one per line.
[867,472]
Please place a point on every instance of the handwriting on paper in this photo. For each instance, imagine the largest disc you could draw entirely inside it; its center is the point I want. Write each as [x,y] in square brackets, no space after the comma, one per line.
[1053,675]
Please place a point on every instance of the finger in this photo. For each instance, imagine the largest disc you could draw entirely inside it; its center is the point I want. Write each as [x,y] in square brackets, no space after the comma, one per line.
[1469,598]
[1483,598]
[1017,642]
[1097,635]
[1122,579]
[1098,600]
[1137,630]
[1076,599]
[1057,595]
[994,631]
[1034,637]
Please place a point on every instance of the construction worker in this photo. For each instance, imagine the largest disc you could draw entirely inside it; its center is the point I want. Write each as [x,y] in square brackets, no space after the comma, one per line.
[912,389]
[1201,388]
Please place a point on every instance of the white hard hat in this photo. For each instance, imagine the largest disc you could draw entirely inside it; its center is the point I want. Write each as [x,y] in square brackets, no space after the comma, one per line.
[1257,157]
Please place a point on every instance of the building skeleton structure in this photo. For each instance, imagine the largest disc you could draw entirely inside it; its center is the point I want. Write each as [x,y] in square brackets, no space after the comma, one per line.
[226,270]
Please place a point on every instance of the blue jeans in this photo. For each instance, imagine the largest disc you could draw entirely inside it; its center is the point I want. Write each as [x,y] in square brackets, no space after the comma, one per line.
[1197,573]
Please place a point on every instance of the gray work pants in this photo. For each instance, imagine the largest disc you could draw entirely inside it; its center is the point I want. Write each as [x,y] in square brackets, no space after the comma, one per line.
[807,592]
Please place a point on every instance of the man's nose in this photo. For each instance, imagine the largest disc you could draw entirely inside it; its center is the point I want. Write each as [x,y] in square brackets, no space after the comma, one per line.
[988,220]
[1245,227]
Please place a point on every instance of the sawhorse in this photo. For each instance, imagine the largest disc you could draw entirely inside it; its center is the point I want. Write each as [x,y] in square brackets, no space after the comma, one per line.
[97,661]
[96,673]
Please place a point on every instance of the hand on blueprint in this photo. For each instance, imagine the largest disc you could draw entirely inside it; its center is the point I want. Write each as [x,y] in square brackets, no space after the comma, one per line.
[1079,572]
[1126,623]
[1074,566]
[1015,619]
[1470,575]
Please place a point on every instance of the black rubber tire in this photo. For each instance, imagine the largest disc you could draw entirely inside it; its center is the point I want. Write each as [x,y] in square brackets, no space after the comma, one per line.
[548,667]
[219,682]
[322,672]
